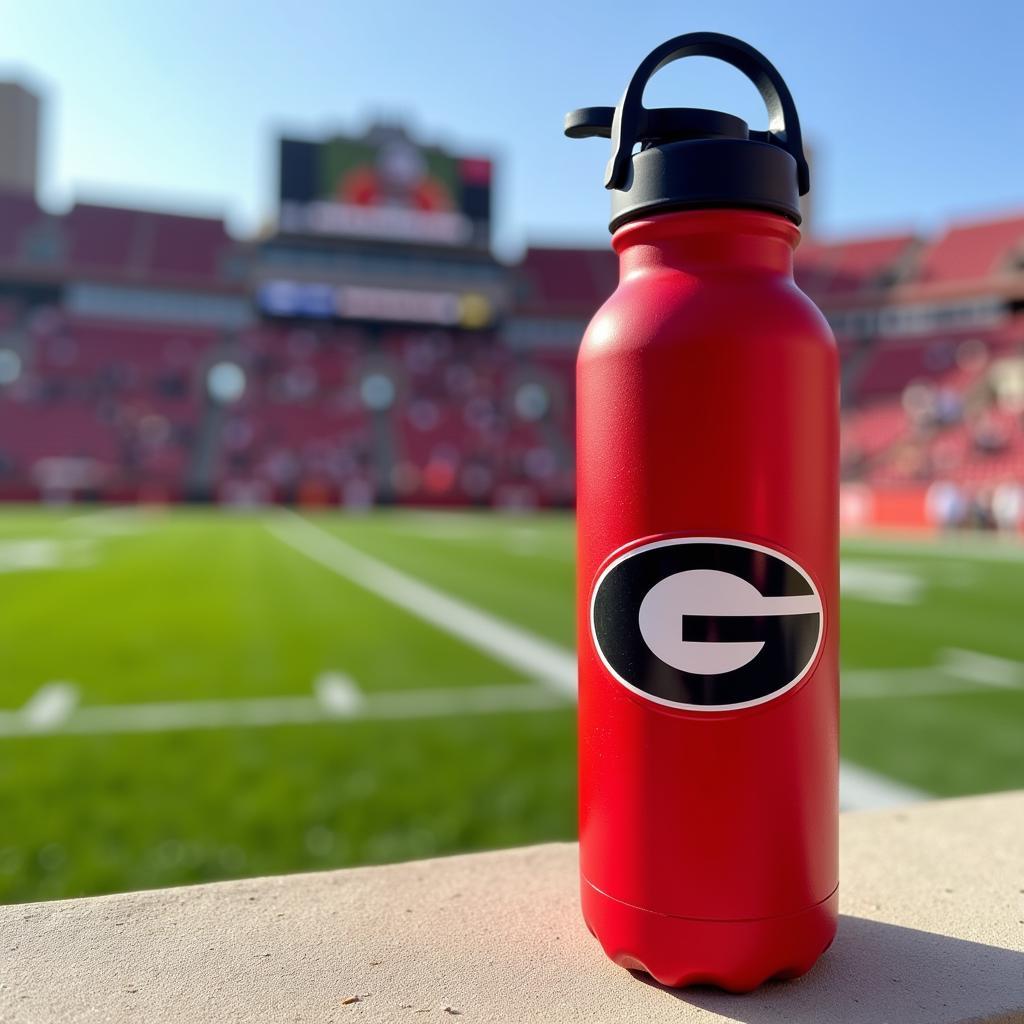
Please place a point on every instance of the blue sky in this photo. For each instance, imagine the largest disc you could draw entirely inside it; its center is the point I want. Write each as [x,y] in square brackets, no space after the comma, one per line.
[915,111]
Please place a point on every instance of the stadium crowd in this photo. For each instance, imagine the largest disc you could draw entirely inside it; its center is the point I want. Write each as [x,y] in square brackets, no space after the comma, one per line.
[135,364]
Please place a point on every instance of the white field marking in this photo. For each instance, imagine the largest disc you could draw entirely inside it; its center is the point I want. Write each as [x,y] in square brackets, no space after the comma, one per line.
[861,789]
[450,525]
[49,707]
[883,683]
[525,541]
[466,700]
[875,581]
[443,526]
[969,547]
[33,554]
[986,669]
[524,651]
[529,543]
[113,521]
[337,694]
[957,671]
[507,643]
[343,701]
[172,715]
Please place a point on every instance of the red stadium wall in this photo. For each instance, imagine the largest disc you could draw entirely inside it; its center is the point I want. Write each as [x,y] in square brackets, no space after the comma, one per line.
[862,507]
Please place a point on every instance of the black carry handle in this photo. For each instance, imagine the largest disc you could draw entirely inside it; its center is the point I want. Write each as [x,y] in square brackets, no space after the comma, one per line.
[631,119]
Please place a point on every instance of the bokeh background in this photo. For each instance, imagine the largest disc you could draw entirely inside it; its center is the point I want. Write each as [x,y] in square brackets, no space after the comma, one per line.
[289,306]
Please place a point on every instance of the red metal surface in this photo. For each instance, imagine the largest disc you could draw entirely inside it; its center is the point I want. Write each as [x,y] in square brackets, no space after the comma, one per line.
[707,391]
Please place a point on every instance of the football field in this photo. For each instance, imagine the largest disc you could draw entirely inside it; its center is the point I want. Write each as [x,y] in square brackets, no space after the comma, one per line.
[195,694]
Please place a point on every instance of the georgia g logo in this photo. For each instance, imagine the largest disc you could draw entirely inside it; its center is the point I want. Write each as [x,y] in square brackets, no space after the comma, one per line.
[706,624]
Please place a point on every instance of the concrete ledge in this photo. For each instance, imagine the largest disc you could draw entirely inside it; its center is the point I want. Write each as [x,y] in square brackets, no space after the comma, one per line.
[932,933]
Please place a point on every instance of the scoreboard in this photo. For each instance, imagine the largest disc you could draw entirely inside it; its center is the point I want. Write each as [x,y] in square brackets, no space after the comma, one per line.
[386,188]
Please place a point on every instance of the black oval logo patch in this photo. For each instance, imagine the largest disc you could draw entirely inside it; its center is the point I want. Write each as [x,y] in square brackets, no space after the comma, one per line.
[706,624]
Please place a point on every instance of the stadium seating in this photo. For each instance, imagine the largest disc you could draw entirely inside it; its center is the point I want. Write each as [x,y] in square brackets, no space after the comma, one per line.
[831,271]
[18,213]
[109,407]
[924,416]
[299,427]
[101,409]
[556,282]
[111,243]
[416,415]
[976,251]
[102,238]
[894,364]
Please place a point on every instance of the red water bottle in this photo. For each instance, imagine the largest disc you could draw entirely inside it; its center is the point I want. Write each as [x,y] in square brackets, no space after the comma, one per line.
[708,400]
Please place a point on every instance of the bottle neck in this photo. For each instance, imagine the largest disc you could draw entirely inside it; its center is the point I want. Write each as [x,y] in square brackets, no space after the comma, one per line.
[702,241]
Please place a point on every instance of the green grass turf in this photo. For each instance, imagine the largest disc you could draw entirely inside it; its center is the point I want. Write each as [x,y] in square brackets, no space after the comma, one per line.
[199,604]
[973,598]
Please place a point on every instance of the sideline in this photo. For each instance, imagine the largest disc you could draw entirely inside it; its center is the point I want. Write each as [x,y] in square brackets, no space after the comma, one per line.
[521,650]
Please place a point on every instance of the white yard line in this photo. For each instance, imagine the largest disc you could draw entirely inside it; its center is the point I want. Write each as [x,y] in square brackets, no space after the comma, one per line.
[957,671]
[336,698]
[874,581]
[505,642]
[886,684]
[112,520]
[524,651]
[171,716]
[464,700]
[52,711]
[967,547]
[49,707]
[337,694]
[33,554]
[861,789]
[985,669]
[883,684]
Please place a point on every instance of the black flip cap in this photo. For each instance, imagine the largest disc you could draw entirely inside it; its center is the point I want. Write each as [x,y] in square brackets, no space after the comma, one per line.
[691,158]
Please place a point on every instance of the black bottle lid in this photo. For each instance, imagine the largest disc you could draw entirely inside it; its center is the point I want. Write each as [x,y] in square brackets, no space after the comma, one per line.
[691,158]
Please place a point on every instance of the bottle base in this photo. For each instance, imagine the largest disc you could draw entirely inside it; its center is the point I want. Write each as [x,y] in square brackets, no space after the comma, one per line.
[737,956]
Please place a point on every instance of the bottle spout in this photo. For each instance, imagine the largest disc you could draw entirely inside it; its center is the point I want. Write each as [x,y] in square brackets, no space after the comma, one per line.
[745,173]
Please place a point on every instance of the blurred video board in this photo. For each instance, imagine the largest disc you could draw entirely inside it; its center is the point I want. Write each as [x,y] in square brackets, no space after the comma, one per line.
[384,187]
